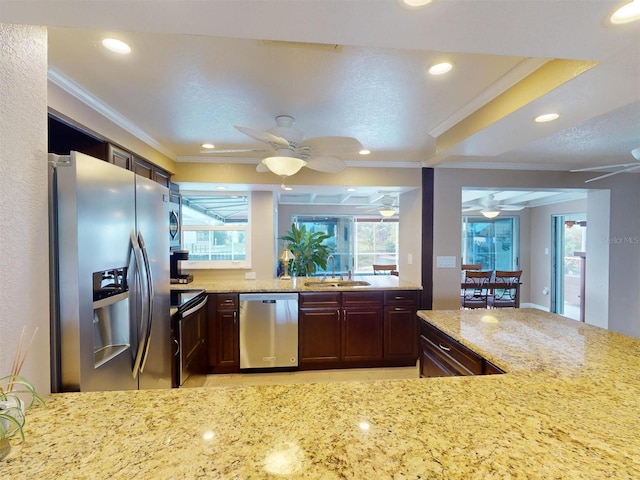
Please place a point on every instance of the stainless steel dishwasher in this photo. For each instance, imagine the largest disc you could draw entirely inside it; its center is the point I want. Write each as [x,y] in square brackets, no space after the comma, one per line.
[268,330]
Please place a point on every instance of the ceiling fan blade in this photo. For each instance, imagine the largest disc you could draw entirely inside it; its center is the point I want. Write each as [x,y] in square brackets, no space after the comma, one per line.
[332,145]
[234,150]
[262,136]
[510,208]
[613,173]
[325,163]
[590,169]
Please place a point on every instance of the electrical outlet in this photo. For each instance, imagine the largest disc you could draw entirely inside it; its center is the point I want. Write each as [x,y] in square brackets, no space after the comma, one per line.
[409,258]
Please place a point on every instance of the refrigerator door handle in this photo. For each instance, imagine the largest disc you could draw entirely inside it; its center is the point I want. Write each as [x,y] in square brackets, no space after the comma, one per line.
[150,300]
[139,275]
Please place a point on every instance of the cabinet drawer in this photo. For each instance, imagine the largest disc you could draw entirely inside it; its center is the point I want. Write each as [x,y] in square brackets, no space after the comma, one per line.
[471,363]
[361,298]
[319,299]
[226,301]
[401,297]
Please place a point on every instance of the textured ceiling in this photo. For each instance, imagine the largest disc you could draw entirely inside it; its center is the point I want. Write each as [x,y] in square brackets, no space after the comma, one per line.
[198,68]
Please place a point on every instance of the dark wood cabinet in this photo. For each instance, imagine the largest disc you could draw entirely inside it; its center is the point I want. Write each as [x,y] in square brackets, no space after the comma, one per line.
[443,356]
[319,329]
[224,333]
[361,327]
[400,327]
[339,329]
[148,170]
[119,157]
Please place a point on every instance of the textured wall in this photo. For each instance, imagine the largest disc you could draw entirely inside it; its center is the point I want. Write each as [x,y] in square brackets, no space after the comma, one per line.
[24,255]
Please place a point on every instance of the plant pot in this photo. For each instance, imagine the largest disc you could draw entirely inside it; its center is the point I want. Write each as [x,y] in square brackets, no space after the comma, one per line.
[5,447]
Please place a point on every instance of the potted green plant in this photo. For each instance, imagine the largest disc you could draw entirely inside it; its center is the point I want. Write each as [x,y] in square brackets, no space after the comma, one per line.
[16,394]
[308,248]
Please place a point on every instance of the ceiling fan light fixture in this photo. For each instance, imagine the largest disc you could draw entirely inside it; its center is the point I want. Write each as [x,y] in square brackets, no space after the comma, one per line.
[364,151]
[284,166]
[547,117]
[387,212]
[627,13]
[490,213]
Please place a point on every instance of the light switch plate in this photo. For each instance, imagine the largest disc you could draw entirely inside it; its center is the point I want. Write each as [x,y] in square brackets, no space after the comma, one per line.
[445,261]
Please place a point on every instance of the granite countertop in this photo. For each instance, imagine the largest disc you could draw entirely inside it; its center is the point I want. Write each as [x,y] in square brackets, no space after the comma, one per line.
[567,408]
[377,282]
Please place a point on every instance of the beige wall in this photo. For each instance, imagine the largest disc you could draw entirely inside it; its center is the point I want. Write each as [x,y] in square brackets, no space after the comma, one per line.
[24,246]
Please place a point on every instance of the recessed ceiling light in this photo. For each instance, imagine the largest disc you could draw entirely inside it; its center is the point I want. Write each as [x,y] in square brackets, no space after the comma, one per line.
[364,151]
[440,68]
[416,3]
[627,13]
[115,45]
[547,117]
[288,189]
[208,145]
[351,189]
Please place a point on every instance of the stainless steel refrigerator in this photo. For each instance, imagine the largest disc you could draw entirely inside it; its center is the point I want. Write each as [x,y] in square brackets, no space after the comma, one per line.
[110,326]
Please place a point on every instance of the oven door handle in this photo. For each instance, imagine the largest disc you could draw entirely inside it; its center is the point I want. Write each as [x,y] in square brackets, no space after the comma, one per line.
[195,308]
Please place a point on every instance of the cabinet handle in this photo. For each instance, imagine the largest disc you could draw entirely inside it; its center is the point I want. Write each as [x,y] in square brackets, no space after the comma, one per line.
[177,347]
[399,309]
[235,317]
[444,347]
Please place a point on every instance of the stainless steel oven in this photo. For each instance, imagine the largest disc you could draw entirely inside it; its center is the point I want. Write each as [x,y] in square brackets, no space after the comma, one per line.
[189,327]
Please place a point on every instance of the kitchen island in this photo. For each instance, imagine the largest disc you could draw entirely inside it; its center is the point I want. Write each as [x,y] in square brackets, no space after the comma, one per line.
[568,407]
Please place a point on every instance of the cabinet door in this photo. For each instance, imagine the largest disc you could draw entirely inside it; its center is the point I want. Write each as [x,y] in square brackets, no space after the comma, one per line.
[228,337]
[432,364]
[361,334]
[400,333]
[161,176]
[143,168]
[319,335]
[119,157]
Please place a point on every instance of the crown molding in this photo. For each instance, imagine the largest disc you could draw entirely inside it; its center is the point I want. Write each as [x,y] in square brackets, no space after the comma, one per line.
[75,90]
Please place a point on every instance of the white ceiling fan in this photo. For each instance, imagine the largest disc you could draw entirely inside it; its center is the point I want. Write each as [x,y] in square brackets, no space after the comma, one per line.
[489,206]
[623,167]
[386,205]
[290,152]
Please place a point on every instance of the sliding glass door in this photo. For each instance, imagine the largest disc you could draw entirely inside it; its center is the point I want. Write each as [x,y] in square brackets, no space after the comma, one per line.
[492,243]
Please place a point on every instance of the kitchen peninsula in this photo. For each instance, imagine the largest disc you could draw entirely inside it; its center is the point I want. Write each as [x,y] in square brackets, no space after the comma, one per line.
[567,407]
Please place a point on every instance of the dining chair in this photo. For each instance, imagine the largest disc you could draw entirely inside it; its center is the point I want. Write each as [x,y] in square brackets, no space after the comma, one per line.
[475,289]
[506,286]
[384,269]
[471,266]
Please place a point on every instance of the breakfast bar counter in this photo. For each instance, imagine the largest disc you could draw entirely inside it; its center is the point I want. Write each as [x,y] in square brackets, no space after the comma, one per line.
[567,408]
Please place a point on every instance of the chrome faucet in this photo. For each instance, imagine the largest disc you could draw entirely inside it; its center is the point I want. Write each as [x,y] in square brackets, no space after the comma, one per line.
[333,265]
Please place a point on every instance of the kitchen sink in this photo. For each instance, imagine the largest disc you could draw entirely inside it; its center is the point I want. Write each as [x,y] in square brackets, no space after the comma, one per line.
[336,283]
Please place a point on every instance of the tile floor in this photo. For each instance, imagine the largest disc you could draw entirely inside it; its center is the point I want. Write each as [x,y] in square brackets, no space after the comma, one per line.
[313,376]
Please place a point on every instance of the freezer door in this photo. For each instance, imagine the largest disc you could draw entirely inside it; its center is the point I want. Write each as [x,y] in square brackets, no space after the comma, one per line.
[94,217]
[152,223]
